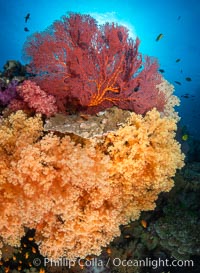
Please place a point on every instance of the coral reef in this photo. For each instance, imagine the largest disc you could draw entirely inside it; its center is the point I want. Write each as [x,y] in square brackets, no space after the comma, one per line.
[58,195]
[12,75]
[190,177]
[170,99]
[116,74]
[87,126]
[76,195]
[21,259]
[141,151]
[8,92]
[35,98]
[180,237]
[69,183]
[13,70]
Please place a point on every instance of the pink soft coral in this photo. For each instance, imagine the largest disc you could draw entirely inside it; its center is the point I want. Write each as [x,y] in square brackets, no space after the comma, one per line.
[37,99]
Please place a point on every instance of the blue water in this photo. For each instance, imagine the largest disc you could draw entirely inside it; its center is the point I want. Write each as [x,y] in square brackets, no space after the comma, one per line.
[177,20]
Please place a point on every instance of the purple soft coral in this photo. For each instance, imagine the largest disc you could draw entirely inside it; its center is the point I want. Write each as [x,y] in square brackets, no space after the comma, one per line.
[9,93]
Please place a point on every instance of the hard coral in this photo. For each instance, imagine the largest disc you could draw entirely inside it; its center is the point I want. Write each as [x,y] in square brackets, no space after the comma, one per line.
[91,68]
[181,237]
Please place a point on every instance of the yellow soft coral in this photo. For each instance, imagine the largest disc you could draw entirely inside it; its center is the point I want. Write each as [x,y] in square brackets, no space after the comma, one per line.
[145,157]
[170,100]
[17,131]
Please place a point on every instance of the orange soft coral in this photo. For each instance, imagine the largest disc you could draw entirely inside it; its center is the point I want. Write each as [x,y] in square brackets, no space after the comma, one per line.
[59,188]
[145,157]
[76,196]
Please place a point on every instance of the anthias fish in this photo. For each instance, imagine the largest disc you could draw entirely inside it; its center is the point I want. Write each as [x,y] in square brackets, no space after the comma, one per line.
[159,37]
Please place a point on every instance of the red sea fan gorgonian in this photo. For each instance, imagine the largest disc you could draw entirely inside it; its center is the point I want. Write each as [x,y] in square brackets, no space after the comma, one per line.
[90,67]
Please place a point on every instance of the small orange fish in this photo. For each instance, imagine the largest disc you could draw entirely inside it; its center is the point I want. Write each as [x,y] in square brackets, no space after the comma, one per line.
[30,239]
[127,236]
[14,258]
[42,270]
[144,223]
[24,245]
[108,251]
[26,255]
[7,269]
[34,250]
[19,268]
